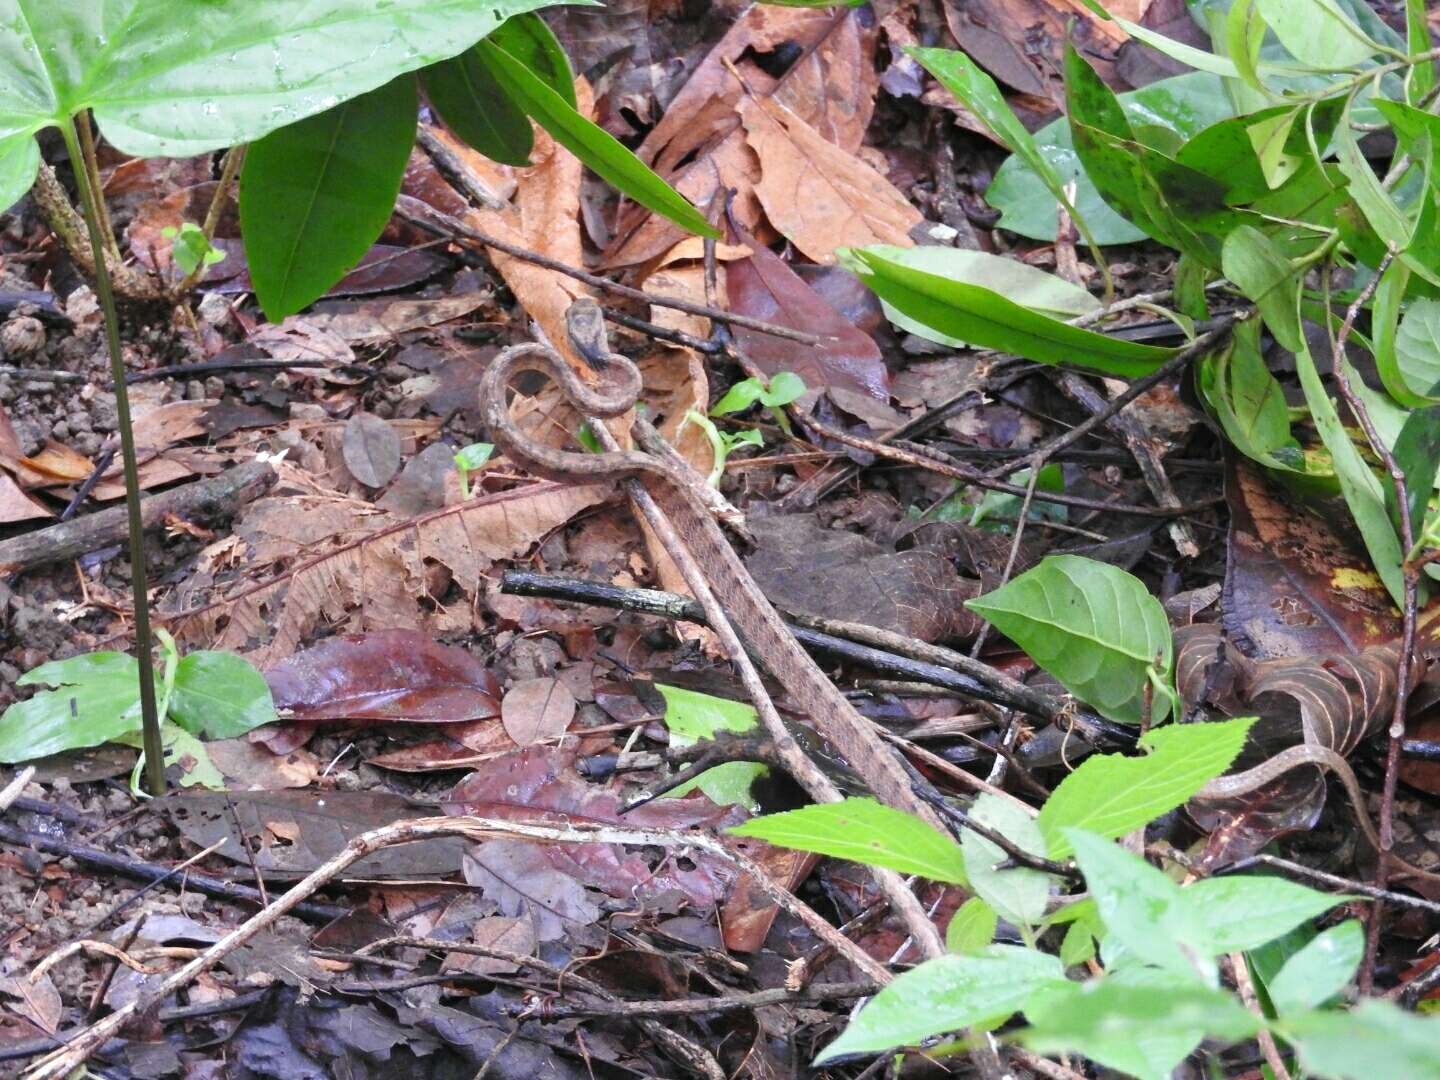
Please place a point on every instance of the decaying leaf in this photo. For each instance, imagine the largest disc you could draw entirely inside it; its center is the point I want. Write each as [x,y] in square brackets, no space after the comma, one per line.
[535,710]
[371,449]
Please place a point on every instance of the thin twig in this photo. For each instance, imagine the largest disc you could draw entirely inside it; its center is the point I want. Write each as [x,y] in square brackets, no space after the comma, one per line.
[1246,988]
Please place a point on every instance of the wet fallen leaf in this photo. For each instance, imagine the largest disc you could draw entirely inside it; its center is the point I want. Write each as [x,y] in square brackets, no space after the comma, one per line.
[807,569]
[386,676]
[534,710]
[15,505]
[249,766]
[36,1000]
[372,449]
[496,932]
[378,322]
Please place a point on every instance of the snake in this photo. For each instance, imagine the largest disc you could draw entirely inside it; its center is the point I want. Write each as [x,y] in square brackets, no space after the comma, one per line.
[615,393]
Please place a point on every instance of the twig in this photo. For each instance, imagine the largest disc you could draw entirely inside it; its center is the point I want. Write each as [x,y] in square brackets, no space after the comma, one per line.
[14,787]
[1408,613]
[1018,855]
[960,674]
[1335,881]
[90,1039]
[1021,518]
[440,223]
[1241,974]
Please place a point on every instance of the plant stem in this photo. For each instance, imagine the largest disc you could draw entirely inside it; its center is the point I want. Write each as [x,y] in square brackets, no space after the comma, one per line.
[88,183]
[229,170]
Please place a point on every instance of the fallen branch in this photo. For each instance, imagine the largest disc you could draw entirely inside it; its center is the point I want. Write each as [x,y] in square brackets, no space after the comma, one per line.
[212,497]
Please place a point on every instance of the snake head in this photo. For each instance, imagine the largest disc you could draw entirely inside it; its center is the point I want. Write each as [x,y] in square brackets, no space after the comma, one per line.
[585,326]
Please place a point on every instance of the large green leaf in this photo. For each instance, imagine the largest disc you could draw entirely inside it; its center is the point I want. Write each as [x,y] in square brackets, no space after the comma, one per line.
[316,194]
[1017,893]
[1245,398]
[1092,626]
[972,927]
[1112,795]
[1241,912]
[1265,276]
[172,78]
[1417,347]
[1030,287]
[864,831]
[982,317]
[592,144]
[1417,452]
[220,695]
[1320,970]
[1375,1039]
[1317,32]
[1184,105]
[945,994]
[95,698]
[691,716]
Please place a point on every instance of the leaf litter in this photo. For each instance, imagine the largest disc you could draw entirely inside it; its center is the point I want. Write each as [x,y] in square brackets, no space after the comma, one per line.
[410,685]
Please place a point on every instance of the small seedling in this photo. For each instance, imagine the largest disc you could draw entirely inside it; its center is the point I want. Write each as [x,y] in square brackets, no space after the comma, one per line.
[722,443]
[784,388]
[468,460]
[190,248]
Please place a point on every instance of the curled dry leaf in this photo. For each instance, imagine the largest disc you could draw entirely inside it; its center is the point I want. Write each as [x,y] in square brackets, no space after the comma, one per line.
[353,567]
[534,710]
[385,676]
[371,449]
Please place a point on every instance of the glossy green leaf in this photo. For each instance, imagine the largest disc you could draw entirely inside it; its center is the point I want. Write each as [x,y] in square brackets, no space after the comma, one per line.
[1140,1024]
[592,144]
[316,195]
[1043,293]
[1266,277]
[691,716]
[531,41]
[1320,970]
[220,695]
[1111,795]
[864,831]
[191,760]
[985,318]
[471,100]
[1375,1039]
[95,699]
[946,994]
[1078,945]
[474,456]
[1245,398]
[783,388]
[1092,626]
[1226,152]
[175,78]
[1417,452]
[1388,221]
[1362,489]
[1420,79]
[972,927]
[1317,32]
[1185,104]
[1244,38]
[1004,506]
[727,784]
[1417,347]
[1017,894]
[1396,369]
[1268,138]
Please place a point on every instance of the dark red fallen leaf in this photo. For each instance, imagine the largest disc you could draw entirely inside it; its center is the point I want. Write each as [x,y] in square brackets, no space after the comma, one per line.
[386,676]
[384,268]
[764,287]
[539,784]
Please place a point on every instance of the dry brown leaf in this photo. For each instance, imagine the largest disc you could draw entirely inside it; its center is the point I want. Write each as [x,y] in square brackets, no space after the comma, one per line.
[534,710]
[299,340]
[1022,42]
[36,1000]
[15,505]
[56,464]
[699,146]
[249,766]
[352,567]
[496,932]
[820,196]
[376,322]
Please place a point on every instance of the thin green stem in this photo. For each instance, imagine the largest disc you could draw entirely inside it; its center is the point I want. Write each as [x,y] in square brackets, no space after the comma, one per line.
[89,186]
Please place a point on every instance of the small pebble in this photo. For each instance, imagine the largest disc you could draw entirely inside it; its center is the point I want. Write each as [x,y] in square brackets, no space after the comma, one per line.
[22,336]
[214,387]
[194,390]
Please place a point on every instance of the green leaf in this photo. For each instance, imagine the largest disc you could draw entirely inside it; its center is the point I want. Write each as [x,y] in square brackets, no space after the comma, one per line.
[189,755]
[175,78]
[946,994]
[1017,894]
[728,784]
[1317,33]
[1241,912]
[1144,912]
[1375,1039]
[1005,506]
[220,695]
[528,39]
[1245,398]
[1268,138]
[972,927]
[1417,347]
[1185,105]
[691,716]
[1111,795]
[1043,293]
[864,831]
[471,99]
[1417,452]
[1420,79]
[315,195]
[985,318]
[1078,945]
[1090,625]
[593,145]
[1138,1023]
[1388,221]
[474,456]
[1265,276]
[95,698]
[1320,970]
[190,249]
[785,387]
[1363,493]
[1401,373]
